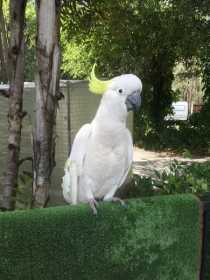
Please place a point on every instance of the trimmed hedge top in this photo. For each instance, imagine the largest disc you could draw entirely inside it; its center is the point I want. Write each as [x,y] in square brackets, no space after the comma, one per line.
[157,238]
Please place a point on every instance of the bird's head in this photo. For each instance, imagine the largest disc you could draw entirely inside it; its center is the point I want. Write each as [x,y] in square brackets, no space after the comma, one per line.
[124,91]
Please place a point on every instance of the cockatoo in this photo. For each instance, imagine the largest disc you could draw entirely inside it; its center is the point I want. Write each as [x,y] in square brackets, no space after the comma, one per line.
[102,151]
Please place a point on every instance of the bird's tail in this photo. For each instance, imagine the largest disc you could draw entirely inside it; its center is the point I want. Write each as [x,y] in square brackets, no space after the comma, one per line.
[70,182]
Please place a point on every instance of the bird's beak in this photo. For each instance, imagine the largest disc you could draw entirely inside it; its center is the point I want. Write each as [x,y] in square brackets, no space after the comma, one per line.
[133,101]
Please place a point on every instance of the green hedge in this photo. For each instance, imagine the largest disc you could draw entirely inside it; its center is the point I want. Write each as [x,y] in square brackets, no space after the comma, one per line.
[157,238]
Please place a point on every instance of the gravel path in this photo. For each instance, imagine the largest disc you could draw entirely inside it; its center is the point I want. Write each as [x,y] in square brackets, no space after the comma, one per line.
[145,162]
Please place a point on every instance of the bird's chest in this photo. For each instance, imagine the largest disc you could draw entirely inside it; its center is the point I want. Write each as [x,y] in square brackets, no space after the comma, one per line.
[105,157]
[107,153]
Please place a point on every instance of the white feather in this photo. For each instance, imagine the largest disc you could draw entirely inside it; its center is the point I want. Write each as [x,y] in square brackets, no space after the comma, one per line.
[102,151]
[73,166]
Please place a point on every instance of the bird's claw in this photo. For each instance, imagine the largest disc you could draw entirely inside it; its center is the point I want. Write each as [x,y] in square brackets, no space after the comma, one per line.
[122,202]
[93,205]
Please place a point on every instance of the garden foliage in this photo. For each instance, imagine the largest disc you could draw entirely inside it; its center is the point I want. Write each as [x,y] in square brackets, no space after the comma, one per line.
[180,177]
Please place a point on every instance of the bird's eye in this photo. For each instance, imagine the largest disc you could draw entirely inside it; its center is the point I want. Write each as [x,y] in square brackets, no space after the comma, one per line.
[120,91]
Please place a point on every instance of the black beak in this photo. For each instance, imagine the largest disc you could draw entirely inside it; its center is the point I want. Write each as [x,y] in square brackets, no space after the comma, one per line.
[133,101]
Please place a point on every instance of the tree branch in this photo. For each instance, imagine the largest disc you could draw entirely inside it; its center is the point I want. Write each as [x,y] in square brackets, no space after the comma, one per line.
[22,160]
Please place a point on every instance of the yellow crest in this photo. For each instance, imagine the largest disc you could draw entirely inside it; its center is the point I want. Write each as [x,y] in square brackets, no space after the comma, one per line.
[95,85]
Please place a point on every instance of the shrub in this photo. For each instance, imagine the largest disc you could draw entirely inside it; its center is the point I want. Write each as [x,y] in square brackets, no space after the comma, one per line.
[192,135]
[178,178]
[184,178]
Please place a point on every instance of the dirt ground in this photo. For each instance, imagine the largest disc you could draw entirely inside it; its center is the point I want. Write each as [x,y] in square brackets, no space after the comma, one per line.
[145,162]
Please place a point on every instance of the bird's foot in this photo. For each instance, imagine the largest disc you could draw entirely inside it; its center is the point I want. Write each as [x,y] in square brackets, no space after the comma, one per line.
[117,199]
[93,205]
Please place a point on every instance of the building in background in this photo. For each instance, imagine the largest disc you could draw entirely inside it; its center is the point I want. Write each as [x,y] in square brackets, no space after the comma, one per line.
[180,111]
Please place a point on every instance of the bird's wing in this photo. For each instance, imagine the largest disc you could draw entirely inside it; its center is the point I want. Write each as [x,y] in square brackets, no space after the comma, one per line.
[74,164]
[128,164]
[79,147]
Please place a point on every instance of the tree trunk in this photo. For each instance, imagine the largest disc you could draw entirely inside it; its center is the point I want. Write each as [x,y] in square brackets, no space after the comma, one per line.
[5,69]
[47,86]
[3,76]
[15,114]
[161,77]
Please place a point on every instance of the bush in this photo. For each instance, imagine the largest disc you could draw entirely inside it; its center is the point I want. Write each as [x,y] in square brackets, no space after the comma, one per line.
[138,186]
[187,135]
[178,178]
[184,178]
[192,135]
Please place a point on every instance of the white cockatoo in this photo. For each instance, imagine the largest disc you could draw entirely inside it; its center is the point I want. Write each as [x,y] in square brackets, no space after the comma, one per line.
[102,151]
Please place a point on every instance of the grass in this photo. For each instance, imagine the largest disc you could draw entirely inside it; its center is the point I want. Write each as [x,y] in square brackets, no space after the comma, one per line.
[156,238]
